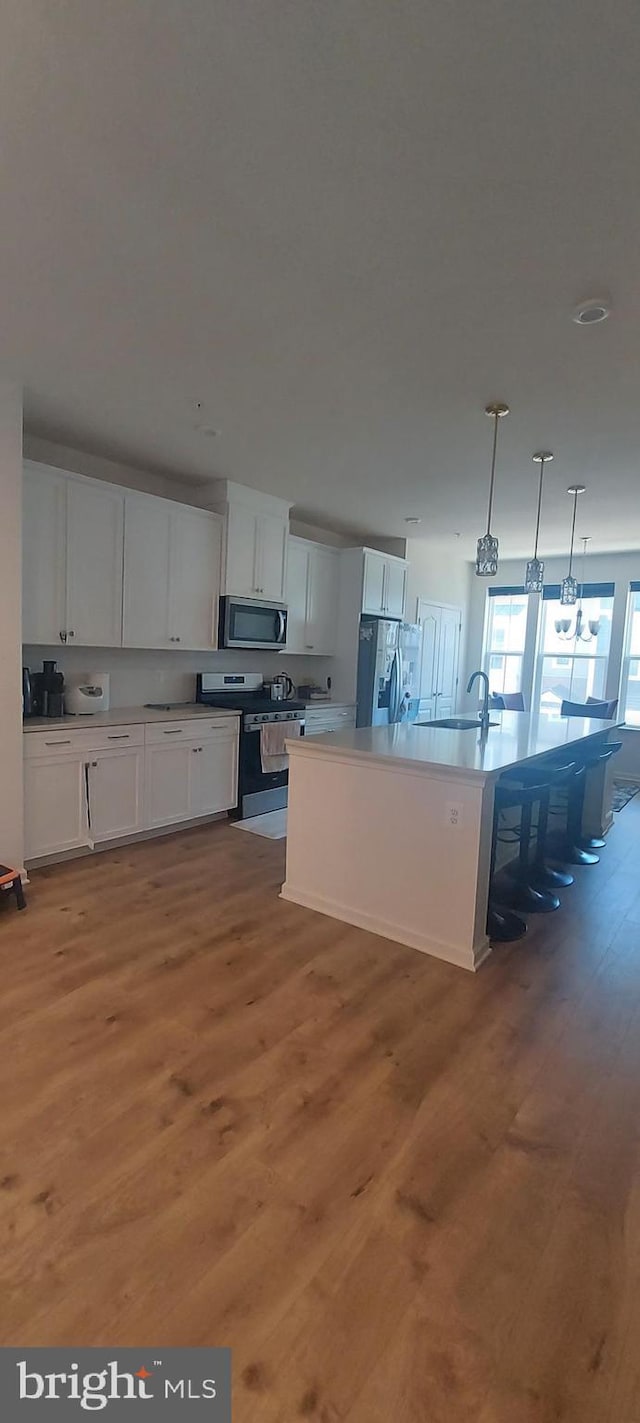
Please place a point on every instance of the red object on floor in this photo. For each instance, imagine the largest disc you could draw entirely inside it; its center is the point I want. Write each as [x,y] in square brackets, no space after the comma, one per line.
[11,883]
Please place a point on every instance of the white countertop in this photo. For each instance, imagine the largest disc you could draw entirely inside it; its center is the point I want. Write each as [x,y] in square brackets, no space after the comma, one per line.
[124,716]
[516,737]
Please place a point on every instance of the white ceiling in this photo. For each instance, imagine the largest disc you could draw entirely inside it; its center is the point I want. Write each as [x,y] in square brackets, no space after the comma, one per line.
[343,227]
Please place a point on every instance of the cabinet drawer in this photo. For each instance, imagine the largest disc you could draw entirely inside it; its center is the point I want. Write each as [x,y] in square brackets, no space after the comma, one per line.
[100,738]
[197,728]
[329,719]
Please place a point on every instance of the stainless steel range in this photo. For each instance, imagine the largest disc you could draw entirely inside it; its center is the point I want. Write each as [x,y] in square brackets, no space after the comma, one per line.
[258,790]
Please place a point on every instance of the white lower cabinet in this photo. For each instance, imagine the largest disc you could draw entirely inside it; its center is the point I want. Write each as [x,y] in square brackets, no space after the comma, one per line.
[114,786]
[190,770]
[213,778]
[329,717]
[85,787]
[167,782]
[55,810]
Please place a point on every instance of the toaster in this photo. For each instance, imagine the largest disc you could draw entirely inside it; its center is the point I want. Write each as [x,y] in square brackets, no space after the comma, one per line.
[84,696]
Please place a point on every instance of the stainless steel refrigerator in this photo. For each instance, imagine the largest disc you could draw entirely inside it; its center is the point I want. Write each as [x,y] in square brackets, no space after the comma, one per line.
[388,688]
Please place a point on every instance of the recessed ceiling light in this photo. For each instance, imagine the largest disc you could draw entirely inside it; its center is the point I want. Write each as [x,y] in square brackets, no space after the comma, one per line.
[413,520]
[589,313]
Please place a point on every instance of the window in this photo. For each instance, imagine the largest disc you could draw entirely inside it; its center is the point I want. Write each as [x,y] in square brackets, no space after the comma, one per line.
[568,669]
[504,638]
[630,682]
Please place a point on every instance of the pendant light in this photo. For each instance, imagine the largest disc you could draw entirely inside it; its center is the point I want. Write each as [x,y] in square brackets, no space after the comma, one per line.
[579,633]
[487,554]
[569,585]
[534,575]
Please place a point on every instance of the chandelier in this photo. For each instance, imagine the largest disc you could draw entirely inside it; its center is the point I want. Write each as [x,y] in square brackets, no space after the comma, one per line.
[487,553]
[534,575]
[580,632]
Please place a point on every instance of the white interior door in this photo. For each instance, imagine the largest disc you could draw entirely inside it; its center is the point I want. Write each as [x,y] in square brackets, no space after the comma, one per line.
[146,571]
[396,582]
[272,556]
[241,575]
[429,617]
[374,583]
[115,792]
[54,805]
[44,556]
[322,602]
[214,775]
[448,659]
[95,536]
[195,578]
[166,787]
[296,599]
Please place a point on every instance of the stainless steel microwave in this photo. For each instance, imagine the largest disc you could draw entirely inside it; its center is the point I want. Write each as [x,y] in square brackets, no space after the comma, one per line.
[249,622]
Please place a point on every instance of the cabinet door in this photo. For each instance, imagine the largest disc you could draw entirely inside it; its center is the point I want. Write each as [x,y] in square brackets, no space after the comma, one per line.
[395,588]
[166,784]
[147,532]
[95,524]
[322,613]
[241,575]
[214,775]
[374,583]
[448,658]
[115,792]
[429,617]
[195,578]
[145,622]
[43,556]
[296,596]
[54,805]
[272,556]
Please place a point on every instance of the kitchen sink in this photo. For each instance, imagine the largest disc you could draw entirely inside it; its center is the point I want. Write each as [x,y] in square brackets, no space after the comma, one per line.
[457,723]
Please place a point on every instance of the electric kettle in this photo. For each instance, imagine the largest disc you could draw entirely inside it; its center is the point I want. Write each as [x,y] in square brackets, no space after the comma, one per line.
[281,687]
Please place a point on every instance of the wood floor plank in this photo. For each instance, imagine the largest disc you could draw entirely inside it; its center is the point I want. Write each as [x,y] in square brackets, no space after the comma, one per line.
[396,1189]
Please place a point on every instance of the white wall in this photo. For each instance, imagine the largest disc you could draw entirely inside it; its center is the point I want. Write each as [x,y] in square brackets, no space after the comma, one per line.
[440,576]
[11,818]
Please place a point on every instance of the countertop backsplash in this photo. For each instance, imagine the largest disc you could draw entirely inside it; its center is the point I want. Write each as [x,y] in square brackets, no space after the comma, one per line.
[140,676]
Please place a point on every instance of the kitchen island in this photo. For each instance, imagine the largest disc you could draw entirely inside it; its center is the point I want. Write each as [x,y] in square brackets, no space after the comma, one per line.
[390,828]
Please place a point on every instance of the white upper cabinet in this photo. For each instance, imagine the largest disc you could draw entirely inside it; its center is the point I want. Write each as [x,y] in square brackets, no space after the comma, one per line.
[72,565]
[272,536]
[242,572]
[44,555]
[384,584]
[256,537]
[312,597]
[373,583]
[171,574]
[147,536]
[395,587]
[296,595]
[95,523]
[194,582]
[322,612]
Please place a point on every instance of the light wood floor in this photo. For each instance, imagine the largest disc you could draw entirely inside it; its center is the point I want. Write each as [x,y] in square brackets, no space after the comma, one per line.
[399,1191]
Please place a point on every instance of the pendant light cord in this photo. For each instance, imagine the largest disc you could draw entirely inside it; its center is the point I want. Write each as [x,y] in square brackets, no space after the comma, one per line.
[573,530]
[493,470]
[535,551]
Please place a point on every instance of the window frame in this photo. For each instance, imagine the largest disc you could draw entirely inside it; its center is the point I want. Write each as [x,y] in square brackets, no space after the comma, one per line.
[489,651]
[633,592]
[572,656]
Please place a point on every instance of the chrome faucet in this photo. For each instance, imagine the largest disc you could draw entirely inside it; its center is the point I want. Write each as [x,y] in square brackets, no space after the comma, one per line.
[484,714]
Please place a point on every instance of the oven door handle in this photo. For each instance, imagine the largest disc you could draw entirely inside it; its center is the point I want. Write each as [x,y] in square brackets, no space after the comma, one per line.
[282,628]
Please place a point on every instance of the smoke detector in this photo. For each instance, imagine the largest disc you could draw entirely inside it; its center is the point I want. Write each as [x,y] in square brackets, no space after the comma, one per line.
[589,313]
